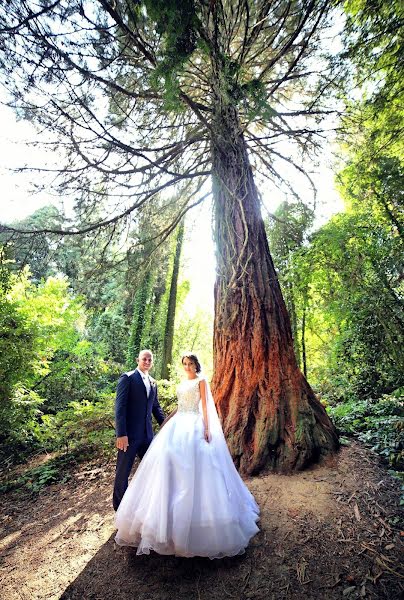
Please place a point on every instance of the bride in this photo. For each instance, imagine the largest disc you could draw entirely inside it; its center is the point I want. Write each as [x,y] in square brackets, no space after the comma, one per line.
[186,497]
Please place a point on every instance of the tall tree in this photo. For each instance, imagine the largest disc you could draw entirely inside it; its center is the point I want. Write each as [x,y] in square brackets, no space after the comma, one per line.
[168,336]
[142,303]
[353,267]
[196,89]
[373,127]
[287,231]
[38,251]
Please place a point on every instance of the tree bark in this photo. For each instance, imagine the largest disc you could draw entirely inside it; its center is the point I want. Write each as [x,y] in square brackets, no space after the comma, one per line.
[270,415]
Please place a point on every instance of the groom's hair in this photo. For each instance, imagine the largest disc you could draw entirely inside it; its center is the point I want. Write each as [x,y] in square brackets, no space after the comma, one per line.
[145,350]
[194,359]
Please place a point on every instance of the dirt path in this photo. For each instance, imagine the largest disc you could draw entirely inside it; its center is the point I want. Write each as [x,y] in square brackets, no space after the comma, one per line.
[326,533]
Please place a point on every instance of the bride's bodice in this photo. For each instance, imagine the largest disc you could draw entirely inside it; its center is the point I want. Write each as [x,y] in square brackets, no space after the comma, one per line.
[188,396]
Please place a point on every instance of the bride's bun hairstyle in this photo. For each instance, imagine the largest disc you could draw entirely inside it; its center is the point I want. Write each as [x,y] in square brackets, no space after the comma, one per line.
[194,359]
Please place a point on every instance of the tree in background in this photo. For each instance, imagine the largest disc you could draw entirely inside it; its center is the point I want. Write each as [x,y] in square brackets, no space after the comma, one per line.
[45,360]
[142,308]
[370,234]
[153,274]
[17,339]
[172,288]
[287,232]
[95,273]
[352,268]
[195,90]
[373,127]
[38,252]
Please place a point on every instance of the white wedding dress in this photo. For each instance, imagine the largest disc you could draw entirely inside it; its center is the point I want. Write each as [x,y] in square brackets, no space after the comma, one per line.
[186,497]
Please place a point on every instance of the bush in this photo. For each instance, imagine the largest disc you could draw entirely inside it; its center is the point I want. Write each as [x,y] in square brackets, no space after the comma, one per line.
[167,391]
[378,423]
[77,374]
[82,424]
[91,423]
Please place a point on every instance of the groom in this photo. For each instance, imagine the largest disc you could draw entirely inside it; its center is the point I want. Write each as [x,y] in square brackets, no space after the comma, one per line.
[136,400]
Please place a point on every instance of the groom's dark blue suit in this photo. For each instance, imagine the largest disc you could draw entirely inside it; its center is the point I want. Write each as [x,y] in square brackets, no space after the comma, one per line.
[133,417]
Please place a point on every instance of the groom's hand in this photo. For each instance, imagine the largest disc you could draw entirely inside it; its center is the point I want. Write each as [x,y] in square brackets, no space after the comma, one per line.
[122,443]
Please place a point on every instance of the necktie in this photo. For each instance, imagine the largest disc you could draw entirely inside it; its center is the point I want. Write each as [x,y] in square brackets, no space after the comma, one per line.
[147,384]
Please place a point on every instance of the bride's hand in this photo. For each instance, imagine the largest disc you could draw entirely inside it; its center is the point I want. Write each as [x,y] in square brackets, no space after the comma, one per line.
[207,435]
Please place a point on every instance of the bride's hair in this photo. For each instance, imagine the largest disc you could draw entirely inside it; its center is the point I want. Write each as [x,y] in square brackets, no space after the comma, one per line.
[194,359]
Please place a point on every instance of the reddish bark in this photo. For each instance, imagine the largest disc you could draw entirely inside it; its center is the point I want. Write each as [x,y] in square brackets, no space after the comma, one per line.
[271,417]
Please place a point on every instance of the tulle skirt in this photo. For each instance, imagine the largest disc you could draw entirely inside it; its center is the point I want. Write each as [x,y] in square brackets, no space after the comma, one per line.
[186,497]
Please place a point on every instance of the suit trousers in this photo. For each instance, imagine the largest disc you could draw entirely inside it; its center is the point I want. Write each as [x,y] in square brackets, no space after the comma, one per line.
[124,464]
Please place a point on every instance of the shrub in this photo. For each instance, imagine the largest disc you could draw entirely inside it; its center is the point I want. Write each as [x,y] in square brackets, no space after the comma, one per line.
[378,423]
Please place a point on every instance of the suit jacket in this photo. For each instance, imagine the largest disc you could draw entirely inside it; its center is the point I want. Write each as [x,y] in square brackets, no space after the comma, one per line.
[133,409]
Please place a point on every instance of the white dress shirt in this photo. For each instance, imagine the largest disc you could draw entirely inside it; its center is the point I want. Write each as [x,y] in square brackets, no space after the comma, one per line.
[146,381]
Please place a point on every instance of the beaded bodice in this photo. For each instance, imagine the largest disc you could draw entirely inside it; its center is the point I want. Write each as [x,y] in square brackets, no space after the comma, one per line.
[188,396]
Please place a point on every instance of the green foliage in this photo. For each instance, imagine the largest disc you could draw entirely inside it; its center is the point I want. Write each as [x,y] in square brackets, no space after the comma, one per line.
[17,342]
[86,265]
[80,373]
[5,272]
[170,302]
[167,392]
[54,313]
[34,480]
[353,271]
[353,265]
[287,233]
[142,310]
[374,125]
[82,424]
[374,41]
[378,423]
[176,21]
[108,329]
[253,95]
[192,334]
[153,312]
[19,420]
[55,470]
[42,254]
[79,431]
[346,280]
[16,337]
[375,185]
[45,362]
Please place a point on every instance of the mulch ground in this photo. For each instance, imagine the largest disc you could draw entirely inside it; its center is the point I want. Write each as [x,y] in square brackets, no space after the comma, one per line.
[332,531]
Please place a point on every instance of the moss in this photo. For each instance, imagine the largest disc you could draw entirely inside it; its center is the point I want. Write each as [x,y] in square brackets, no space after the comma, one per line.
[271,432]
[300,430]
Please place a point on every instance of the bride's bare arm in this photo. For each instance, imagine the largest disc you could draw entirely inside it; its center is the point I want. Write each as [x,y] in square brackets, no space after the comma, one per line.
[202,391]
[169,417]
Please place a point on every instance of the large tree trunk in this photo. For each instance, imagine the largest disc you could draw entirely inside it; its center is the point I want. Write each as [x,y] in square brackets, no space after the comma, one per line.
[270,415]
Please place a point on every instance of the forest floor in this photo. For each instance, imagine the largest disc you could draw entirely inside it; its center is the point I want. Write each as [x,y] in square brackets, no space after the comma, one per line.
[329,532]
